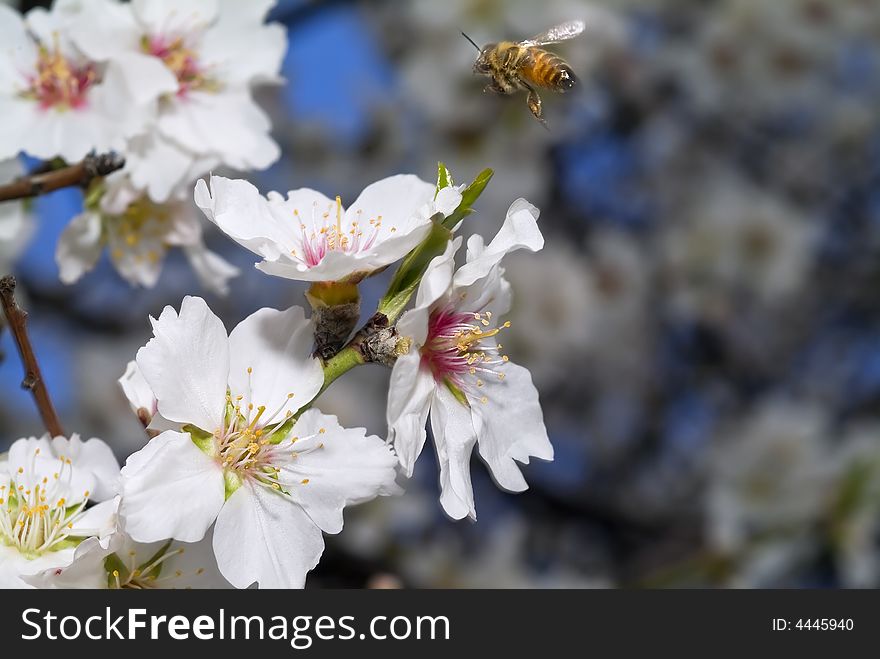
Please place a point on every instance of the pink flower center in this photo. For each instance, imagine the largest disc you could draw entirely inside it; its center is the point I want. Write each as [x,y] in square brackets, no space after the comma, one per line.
[182,61]
[328,234]
[459,348]
[58,83]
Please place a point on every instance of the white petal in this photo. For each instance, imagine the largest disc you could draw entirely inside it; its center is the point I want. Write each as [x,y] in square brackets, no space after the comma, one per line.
[22,450]
[14,567]
[243,214]
[396,199]
[510,426]
[187,364]
[106,30]
[228,123]
[170,489]
[146,78]
[349,468]
[519,231]
[137,391]
[409,400]
[262,536]
[174,16]
[95,456]
[79,247]
[99,521]
[212,270]
[158,166]
[454,439]
[244,50]
[87,570]
[277,347]
[435,285]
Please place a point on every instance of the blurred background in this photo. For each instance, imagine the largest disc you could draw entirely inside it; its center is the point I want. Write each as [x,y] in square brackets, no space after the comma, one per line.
[703,324]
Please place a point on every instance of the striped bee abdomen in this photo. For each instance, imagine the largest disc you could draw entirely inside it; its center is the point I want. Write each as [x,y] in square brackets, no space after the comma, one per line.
[547,70]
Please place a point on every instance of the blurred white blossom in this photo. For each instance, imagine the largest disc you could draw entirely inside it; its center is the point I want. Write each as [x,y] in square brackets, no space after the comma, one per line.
[197,61]
[137,233]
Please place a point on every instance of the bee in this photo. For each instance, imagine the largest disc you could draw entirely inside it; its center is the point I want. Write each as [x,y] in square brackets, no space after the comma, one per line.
[526,65]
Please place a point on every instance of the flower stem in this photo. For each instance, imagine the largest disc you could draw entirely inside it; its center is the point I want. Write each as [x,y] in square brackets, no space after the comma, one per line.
[33,378]
[81,174]
[342,362]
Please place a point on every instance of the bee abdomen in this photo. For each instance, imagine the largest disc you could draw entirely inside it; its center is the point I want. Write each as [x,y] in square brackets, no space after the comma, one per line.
[551,71]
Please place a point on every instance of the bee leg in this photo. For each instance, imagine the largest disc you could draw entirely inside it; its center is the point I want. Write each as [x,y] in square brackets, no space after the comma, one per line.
[534,102]
[494,87]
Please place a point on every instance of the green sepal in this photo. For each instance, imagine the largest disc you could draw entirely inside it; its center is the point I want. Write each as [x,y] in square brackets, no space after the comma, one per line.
[411,269]
[231,482]
[156,570]
[280,432]
[114,563]
[457,393]
[444,178]
[201,438]
[468,197]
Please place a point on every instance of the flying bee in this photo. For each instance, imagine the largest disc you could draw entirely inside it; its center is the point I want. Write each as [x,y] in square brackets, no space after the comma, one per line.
[526,65]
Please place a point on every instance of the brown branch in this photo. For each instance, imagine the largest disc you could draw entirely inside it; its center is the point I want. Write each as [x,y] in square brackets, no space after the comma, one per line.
[16,317]
[81,174]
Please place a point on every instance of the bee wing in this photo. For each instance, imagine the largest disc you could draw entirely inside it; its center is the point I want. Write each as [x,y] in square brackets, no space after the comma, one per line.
[557,33]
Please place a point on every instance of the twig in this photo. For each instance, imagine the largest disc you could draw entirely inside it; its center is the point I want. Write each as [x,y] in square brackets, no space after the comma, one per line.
[16,317]
[80,174]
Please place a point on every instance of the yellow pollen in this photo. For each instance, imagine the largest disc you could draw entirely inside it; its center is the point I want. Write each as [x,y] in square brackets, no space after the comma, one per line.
[305,481]
[322,430]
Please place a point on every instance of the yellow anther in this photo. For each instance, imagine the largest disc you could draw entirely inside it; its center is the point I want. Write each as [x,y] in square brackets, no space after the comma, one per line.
[305,481]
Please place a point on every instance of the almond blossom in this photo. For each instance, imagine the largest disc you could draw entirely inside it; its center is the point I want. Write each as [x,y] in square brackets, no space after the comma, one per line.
[455,371]
[198,59]
[45,488]
[268,479]
[309,237]
[55,100]
[117,562]
[137,233]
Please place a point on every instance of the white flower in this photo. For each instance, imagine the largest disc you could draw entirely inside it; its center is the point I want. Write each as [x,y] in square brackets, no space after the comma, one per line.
[737,237]
[137,233]
[45,486]
[272,484]
[54,100]
[772,476]
[199,58]
[118,562]
[455,370]
[309,237]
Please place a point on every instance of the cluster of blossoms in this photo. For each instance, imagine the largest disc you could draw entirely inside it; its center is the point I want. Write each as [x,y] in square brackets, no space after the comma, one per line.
[166,84]
[242,474]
